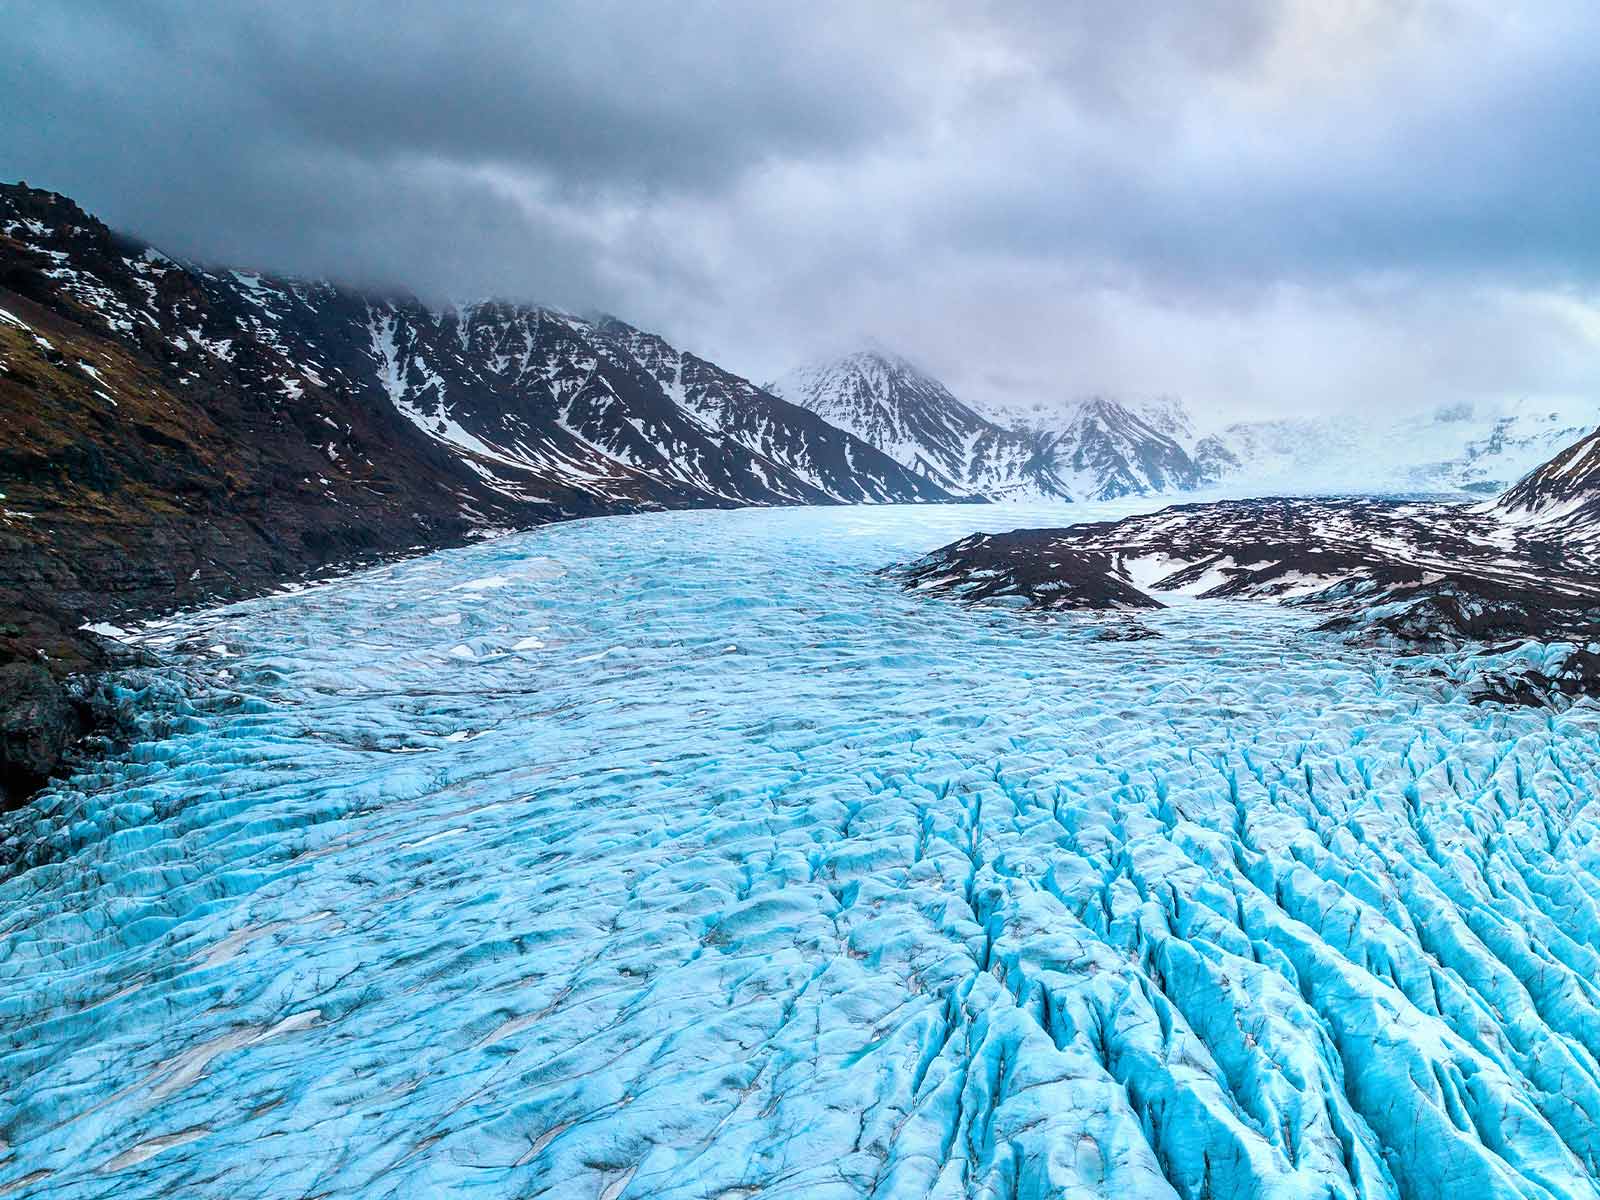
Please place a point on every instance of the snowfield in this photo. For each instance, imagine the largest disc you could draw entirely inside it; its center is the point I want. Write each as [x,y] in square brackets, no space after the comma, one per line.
[682,856]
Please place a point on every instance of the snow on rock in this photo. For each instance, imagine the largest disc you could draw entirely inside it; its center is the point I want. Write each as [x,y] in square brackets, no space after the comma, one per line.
[516,405]
[1562,496]
[1099,450]
[914,419]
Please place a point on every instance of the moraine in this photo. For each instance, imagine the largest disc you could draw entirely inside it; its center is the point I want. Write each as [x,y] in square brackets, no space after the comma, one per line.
[683,855]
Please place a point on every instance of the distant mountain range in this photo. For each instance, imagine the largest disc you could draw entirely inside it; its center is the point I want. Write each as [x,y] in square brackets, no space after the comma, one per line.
[1100,448]
[1095,450]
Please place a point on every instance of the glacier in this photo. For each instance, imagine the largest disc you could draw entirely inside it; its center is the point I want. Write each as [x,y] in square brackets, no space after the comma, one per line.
[682,855]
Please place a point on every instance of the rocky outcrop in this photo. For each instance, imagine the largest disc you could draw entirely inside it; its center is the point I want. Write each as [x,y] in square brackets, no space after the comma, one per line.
[1005,568]
[37,724]
[1412,576]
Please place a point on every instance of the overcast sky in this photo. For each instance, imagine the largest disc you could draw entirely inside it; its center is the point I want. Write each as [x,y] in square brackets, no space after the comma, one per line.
[1259,205]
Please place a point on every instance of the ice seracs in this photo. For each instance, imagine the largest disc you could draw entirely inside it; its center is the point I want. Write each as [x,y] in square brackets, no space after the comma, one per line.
[901,899]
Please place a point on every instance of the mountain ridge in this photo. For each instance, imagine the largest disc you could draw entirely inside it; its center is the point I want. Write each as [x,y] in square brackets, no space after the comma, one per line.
[1101,450]
[1560,497]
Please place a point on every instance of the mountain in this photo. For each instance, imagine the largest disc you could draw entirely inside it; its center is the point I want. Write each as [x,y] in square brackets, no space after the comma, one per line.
[1477,448]
[174,434]
[1168,416]
[1098,450]
[1560,497]
[1102,448]
[831,463]
[913,418]
[1105,449]
[1459,448]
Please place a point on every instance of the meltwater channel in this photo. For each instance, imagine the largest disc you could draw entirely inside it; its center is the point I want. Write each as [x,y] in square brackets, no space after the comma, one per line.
[683,856]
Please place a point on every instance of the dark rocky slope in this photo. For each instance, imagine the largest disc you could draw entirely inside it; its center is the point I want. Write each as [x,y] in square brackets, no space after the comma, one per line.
[171,435]
[129,489]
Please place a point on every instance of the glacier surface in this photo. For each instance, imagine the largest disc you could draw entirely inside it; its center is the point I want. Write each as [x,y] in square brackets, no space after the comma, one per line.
[679,855]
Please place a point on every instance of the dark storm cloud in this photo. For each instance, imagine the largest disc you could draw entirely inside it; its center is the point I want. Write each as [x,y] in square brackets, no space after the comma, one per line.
[1073,197]
[282,131]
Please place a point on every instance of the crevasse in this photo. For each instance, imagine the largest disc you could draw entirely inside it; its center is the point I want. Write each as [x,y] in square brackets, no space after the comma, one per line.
[679,855]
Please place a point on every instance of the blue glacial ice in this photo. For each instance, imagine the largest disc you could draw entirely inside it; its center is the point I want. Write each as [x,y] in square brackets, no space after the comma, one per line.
[681,856]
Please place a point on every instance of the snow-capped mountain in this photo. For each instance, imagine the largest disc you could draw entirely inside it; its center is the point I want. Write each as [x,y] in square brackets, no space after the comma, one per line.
[531,396]
[826,458]
[535,405]
[914,419]
[1099,449]
[1478,449]
[1561,496]
[1168,416]
[1105,449]
[1102,448]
